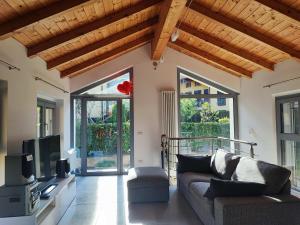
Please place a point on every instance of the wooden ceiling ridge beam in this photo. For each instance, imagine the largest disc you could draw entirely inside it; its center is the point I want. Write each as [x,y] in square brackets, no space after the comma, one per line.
[281,8]
[86,28]
[170,13]
[37,15]
[107,55]
[244,29]
[101,43]
[227,46]
[213,58]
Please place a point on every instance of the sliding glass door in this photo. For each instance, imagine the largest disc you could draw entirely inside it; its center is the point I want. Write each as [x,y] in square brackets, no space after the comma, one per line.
[102,126]
[107,140]
[103,140]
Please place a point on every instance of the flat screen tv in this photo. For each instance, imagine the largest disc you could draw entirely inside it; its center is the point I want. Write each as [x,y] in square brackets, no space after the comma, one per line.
[49,149]
[45,151]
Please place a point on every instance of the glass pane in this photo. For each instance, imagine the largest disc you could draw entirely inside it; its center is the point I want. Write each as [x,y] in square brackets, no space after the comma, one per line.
[290,120]
[126,135]
[202,117]
[189,86]
[102,136]
[77,135]
[39,121]
[49,122]
[290,154]
[110,87]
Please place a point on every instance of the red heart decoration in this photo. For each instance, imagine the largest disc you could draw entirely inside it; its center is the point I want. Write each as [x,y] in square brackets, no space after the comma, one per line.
[126,87]
[121,88]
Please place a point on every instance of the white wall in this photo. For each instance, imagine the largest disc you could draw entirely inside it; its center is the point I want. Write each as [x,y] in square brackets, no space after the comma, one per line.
[257,106]
[23,91]
[147,85]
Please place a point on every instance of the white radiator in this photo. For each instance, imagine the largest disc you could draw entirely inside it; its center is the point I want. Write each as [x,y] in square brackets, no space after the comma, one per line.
[168,113]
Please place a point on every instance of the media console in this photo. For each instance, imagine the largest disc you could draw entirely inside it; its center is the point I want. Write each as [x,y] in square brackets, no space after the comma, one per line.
[52,209]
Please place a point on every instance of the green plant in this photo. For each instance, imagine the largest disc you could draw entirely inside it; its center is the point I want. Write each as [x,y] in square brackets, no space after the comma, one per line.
[105,164]
[208,114]
[187,109]
[224,120]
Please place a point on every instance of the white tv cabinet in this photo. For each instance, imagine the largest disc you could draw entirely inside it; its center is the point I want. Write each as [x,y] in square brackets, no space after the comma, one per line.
[51,210]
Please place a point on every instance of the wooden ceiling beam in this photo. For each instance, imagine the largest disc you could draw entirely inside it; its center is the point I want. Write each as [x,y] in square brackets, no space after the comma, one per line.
[244,29]
[170,13]
[108,55]
[37,15]
[101,43]
[282,8]
[86,28]
[227,46]
[213,58]
[197,57]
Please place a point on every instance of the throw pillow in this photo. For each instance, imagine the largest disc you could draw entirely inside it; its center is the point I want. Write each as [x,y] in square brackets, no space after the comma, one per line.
[200,164]
[224,163]
[251,170]
[229,188]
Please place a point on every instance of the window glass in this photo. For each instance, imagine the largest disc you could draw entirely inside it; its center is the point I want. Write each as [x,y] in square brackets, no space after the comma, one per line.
[195,85]
[45,118]
[290,155]
[39,120]
[49,122]
[202,117]
[288,136]
[109,87]
[290,121]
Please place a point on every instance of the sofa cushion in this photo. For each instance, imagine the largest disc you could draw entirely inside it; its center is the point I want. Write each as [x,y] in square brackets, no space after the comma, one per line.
[250,170]
[224,163]
[189,177]
[229,188]
[199,164]
[198,190]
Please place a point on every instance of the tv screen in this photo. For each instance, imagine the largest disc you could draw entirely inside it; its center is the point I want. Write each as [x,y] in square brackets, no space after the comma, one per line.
[49,152]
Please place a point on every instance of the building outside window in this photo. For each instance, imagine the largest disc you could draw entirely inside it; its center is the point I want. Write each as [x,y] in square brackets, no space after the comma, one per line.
[221,101]
[188,84]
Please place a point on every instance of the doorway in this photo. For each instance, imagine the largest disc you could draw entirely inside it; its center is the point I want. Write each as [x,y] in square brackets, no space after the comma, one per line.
[103,128]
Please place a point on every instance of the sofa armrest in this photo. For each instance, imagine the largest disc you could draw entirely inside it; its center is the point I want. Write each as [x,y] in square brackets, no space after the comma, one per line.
[262,210]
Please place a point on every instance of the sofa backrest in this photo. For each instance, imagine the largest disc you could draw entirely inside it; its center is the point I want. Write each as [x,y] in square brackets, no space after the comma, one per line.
[251,170]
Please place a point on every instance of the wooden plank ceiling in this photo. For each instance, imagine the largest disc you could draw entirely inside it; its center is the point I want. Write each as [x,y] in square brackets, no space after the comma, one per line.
[73,36]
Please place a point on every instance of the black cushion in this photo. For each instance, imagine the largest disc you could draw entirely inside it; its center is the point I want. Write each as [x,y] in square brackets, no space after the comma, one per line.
[229,188]
[224,163]
[274,176]
[200,164]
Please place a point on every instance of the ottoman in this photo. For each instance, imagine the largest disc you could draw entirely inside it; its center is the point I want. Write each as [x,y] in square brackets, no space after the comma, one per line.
[147,184]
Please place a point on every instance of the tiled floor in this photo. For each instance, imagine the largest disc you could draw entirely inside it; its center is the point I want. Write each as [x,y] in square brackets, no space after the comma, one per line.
[103,201]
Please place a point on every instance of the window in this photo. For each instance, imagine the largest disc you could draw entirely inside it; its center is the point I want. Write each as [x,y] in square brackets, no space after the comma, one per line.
[288,135]
[221,101]
[200,114]
[199,100]
[45,117]
[188,84]
[206,92]
[102,126]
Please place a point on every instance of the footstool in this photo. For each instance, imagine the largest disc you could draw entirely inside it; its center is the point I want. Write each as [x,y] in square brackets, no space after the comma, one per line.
[147,184]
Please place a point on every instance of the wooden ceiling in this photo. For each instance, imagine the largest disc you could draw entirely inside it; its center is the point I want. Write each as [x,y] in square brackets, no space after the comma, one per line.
[73,36]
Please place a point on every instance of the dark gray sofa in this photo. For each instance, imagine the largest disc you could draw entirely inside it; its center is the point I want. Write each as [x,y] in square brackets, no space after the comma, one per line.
[278,208]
